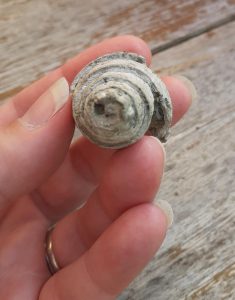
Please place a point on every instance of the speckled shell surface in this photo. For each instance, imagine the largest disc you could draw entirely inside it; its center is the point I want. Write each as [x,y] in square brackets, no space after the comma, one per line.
[117,99]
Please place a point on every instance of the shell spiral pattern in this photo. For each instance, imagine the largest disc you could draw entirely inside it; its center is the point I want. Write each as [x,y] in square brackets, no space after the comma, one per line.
[117,99]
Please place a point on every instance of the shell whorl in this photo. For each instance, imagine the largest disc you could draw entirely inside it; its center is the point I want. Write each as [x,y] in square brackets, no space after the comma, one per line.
[117,98]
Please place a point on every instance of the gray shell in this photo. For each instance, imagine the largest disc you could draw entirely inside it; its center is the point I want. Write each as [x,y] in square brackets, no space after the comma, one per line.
[117,99]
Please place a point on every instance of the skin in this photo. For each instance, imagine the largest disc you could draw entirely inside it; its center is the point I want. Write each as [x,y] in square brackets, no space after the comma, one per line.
[43,178]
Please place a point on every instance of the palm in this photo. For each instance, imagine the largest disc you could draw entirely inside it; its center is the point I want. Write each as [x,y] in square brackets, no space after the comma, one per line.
[23,270]
[97,247]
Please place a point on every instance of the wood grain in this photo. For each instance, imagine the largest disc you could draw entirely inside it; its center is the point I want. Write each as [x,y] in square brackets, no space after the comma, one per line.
[197,260]
[38,36]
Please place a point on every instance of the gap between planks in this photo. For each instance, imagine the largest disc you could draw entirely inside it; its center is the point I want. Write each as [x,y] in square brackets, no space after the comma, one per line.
[194,34]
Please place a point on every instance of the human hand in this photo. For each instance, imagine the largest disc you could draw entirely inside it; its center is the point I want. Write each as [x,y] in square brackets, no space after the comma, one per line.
[104,245]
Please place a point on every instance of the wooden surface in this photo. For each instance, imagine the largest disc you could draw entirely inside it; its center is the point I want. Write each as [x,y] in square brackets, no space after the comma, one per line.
[37,36]
[197,39]
[197,260]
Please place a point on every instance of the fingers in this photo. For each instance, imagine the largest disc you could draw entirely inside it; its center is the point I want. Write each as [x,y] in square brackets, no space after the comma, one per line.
[132,177]
[86,162]
[32,147]
[114,260]
[74,181]
[22,101]
[182,93]
[33,140]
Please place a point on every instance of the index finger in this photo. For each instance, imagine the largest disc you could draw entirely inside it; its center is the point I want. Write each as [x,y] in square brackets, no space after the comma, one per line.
[23,100]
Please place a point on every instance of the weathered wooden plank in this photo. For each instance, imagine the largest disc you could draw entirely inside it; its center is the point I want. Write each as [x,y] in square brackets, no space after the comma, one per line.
[37,36]
[221,284]
[197,260]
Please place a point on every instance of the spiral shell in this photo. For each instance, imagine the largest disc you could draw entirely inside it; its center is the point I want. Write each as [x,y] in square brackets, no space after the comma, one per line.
[117,99]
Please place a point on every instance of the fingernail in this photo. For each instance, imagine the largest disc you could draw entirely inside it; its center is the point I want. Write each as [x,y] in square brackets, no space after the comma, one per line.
[190,86]
[47,105]
[160,144]
[167,210]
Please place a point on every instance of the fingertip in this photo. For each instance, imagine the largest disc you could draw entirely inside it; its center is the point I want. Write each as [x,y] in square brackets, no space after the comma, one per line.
[146,143]
[137,45]
[189,85]
[127,43]
[157,223]
[181,93]
[146,157]
[135,172]
[159,145]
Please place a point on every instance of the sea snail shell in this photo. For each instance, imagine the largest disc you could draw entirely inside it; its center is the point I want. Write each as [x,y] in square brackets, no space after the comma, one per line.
[117,98]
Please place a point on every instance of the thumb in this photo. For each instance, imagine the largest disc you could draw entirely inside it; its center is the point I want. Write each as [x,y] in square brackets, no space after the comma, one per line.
[33,146]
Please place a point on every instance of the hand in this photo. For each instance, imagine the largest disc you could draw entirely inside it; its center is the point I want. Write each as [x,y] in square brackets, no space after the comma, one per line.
[104,245]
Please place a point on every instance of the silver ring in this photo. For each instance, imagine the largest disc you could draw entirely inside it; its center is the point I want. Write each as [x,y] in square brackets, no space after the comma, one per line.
[52,264]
